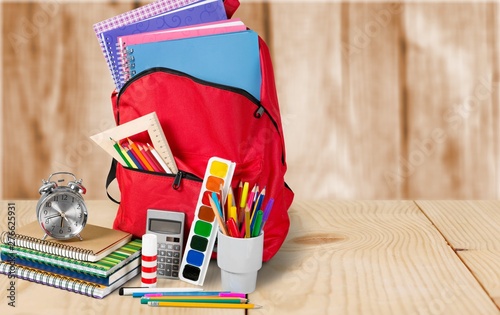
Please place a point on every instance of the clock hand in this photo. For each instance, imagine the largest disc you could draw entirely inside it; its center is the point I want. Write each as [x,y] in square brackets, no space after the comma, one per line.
[53,216]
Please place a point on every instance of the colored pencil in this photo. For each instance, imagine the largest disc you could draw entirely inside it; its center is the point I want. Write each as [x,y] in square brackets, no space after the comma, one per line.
[217,215]
[120,152]
[150,158]
[194,299]
[135,163]
[233,214]
[159,159]
[198,293]
[267,211]
[143,291]
[247,222]
[232,228]
[140,156]
[203,305]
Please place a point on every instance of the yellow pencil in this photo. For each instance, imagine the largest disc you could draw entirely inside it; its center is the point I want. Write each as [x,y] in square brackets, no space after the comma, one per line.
[233,213]
[247,222]
[203,305]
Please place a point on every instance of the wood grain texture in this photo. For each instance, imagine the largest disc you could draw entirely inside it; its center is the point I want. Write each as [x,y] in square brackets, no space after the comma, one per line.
[472,228]
[326,62]
[379,100]
[57,93]
[47,300]
[355,257]
[451,80]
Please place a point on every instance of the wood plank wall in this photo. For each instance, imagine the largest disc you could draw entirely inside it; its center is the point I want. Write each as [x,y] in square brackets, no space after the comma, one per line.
[379,100]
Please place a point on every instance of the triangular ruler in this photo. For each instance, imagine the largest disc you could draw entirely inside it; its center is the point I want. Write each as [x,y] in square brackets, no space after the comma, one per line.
[149,123]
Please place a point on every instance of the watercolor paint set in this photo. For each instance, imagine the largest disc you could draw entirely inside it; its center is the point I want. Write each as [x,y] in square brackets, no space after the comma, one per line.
[203,232]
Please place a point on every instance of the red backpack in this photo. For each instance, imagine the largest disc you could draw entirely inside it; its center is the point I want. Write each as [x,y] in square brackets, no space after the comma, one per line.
[200,120]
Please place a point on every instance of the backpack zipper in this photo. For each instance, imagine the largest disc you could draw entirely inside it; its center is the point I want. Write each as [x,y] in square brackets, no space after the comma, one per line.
[259,112]
[177,177]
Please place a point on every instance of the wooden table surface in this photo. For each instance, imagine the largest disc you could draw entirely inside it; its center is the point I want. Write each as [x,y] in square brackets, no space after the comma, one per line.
[340,257]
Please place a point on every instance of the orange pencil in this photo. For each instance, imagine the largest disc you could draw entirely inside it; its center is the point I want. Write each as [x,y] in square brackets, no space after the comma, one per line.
[140,156]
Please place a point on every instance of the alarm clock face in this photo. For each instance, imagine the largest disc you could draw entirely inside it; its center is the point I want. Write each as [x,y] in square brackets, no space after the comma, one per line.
[62,214]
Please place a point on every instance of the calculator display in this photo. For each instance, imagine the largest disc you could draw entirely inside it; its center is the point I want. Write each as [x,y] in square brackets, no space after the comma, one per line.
[164,226]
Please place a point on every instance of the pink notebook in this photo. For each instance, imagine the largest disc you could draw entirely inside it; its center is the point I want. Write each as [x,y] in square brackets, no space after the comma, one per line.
[212,28]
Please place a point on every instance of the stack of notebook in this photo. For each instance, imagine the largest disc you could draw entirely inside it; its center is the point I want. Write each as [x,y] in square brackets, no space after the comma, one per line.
[103,261]
[191,36]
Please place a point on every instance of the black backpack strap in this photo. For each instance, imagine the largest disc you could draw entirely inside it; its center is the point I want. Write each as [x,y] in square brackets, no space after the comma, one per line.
[111,177]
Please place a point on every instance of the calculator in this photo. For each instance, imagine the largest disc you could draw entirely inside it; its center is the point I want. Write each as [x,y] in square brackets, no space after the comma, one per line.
[168,226]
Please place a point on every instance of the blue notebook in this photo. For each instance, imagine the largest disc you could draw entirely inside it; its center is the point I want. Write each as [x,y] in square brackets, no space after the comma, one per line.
[200,12]
[230,59]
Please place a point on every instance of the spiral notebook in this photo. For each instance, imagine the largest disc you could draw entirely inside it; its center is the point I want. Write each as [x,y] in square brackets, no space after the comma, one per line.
[139,14]
[230,59]
[196,13]
[97,242]
[101,268]
[63,282]
[212,28]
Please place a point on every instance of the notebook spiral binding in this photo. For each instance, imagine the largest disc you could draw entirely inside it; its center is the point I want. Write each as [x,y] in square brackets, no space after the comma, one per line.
[114,64]
[50,279]
[45,246]
[125,63]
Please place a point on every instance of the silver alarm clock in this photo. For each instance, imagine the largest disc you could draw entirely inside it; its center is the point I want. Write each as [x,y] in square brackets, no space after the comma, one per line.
[61,210]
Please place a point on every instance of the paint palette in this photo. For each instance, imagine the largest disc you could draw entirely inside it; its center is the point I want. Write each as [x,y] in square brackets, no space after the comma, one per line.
[201,239]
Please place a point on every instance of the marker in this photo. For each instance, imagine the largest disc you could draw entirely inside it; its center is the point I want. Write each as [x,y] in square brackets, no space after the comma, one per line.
[257,223]
[196,293]
[143,291]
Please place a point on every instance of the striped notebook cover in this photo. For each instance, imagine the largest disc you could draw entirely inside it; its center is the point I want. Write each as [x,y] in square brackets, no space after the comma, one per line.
[109,280]
[101,268]
[64,283]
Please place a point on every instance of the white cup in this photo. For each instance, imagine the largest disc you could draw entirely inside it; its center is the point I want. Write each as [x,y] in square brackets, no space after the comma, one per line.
[239,260]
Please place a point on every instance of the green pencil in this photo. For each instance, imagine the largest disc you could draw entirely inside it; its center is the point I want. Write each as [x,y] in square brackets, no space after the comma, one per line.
[120,151]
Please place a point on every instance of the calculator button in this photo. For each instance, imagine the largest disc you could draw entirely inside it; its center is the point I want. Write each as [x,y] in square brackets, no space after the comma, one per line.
[168,260]
[176,261]
[170,246]
[177,254]
[163,245]
[175,274]
[169,254]
[175,268]
[162,253]
[161,259]
[177,247]
[161,272]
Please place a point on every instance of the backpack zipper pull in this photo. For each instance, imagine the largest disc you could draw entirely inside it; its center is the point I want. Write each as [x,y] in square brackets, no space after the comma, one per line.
[177,180]
[258,113]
